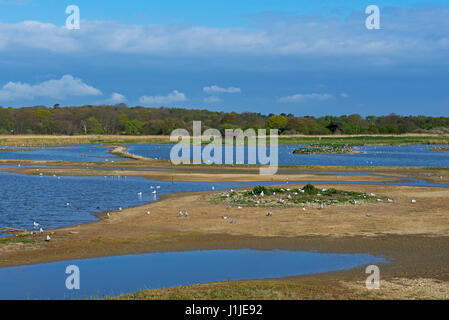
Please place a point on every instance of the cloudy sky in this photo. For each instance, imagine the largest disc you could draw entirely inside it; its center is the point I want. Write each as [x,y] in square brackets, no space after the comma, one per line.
[302,57]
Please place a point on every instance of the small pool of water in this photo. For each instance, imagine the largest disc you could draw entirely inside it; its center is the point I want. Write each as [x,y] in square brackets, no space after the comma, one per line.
[81,153]
[101,277]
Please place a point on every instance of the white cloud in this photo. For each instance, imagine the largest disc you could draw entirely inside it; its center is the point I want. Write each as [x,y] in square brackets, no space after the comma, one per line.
[303,97]
[217,89]
[212,99]
[413,33]
[57,89]
[172,97]
[117,98]
[114,99]
[344,95]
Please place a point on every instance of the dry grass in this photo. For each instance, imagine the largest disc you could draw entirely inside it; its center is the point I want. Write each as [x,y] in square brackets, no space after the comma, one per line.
[246,290]
[365,139]
[300,289]
[44,140]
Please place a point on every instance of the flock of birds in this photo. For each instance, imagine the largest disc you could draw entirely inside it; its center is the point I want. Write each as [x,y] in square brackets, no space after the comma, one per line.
[37,226]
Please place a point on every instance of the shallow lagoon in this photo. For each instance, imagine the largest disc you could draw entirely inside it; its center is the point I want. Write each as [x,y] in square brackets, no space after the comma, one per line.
[130,273]
[410,155]
[81,153]
[390,156]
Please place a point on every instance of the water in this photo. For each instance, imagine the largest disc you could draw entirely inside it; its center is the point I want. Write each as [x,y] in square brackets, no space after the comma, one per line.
[82,153]
[377,156]
[130,273]
[24,199]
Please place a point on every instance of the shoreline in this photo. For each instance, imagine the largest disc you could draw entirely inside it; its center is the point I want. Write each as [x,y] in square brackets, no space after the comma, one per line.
[168,233]
[415,236]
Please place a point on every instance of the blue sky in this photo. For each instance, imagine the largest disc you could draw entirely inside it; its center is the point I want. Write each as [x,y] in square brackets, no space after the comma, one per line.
[300,57]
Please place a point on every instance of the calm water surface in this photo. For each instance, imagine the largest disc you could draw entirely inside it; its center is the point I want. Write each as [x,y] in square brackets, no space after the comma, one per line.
[82,153]
[413,156]
[130,273]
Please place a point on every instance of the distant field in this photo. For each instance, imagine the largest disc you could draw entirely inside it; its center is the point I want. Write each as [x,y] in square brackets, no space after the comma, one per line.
[45,140]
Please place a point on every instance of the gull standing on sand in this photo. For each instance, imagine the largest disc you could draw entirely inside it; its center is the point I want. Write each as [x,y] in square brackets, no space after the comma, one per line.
[181,214]
[48,238]
[41,230]
[148,213]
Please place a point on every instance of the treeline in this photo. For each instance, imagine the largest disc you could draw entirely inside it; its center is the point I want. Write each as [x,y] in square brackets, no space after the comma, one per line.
[121,119]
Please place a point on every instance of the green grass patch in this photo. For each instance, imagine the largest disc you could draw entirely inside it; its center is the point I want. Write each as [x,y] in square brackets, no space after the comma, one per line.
[325,149]
[261,196]
[18,239]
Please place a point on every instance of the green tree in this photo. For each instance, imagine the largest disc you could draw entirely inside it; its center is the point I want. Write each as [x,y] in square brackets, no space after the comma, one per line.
[133,127]
[277,122]
[93,126]
[122,121]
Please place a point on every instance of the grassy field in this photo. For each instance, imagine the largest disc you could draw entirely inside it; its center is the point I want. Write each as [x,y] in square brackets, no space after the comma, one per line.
[244,290]
[308,288]
[48,140]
